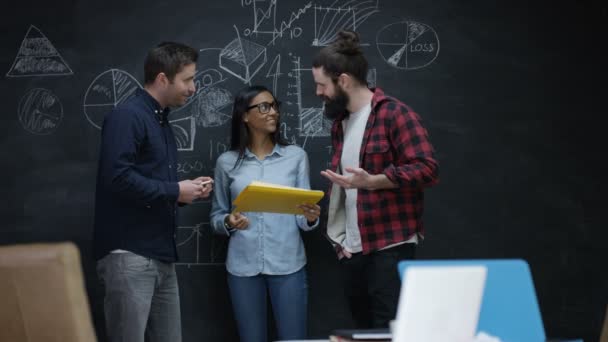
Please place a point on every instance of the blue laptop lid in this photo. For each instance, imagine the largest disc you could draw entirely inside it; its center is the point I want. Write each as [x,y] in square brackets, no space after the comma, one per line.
[509,308]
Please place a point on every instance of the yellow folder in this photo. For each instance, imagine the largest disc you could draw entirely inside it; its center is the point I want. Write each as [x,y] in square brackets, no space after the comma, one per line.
[273,198]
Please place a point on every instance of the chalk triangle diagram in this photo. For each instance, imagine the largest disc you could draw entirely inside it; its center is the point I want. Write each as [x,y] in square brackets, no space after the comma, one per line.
[38,57]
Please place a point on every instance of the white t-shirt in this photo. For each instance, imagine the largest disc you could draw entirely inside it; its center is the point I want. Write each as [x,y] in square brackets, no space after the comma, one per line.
[354,128]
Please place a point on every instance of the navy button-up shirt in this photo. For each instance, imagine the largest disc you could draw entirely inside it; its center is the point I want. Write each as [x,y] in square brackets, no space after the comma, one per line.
[137,190]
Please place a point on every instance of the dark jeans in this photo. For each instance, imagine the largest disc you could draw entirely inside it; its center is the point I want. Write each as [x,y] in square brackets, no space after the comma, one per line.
[289,298]
[141,299]
[372,285]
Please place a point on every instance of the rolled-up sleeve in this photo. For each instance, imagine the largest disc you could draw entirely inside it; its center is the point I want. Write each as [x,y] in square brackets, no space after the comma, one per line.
[416,165]
[303,182]
[220,203]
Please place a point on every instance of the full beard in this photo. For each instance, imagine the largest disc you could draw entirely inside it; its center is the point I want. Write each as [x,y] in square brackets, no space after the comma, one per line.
[336,107]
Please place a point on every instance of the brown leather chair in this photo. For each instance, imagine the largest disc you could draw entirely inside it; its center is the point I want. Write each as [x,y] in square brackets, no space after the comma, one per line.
[42,294]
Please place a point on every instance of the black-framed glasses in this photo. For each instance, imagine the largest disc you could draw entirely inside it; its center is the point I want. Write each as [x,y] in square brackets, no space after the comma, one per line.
[264,107]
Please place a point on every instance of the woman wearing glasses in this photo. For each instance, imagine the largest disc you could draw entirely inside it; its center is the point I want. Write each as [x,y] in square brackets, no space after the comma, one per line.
[265,252]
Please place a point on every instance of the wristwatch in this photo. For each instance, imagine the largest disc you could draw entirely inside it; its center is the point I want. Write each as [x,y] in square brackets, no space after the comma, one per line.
[227,226]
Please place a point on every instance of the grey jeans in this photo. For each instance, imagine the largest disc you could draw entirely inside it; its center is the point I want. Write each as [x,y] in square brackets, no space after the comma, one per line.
[141,299]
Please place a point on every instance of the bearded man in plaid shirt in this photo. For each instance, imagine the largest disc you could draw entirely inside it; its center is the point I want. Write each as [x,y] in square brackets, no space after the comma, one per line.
[382,160]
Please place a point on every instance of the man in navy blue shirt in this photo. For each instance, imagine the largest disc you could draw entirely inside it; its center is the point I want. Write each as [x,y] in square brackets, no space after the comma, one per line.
[137,198]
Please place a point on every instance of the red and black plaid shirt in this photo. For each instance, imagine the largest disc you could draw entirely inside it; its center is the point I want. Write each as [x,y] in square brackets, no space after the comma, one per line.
[396,144]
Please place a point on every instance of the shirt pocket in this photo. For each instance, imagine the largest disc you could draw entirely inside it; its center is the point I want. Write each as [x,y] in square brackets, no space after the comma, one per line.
[377,156]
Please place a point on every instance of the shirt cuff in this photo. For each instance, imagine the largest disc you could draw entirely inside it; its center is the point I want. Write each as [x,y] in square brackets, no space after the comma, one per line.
[314,225]
[229,230]
[303,223]
[391,174]
[172,191]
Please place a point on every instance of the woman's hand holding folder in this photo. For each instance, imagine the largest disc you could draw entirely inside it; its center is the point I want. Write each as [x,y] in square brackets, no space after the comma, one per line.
[311,212]
[236,220]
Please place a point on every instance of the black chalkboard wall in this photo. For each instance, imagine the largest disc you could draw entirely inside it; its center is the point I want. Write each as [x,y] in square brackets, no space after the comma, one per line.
[509,91]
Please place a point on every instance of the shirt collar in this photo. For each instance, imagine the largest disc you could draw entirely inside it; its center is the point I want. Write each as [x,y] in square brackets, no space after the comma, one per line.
[376,98]
[278,150]
[152,103]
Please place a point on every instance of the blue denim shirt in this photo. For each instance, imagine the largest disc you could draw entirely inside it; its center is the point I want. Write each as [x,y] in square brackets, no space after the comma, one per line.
[137,189]
[271,244]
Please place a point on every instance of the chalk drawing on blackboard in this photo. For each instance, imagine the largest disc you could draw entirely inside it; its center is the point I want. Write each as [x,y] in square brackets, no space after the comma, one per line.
[216,148]
[274,72]
[371,78]
[408,45]
[331,19]
[38,57]
[242,58]
[197,246]
[40,111]
[108,89]
[198,105]
[265,20]
[202,80]
[312,122]
[213,107]
[264,17]
[285,132]
[184,130]
[208,78]
[185,166]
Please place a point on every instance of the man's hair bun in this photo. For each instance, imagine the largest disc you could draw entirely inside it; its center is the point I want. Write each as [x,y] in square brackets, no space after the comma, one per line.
[347,43]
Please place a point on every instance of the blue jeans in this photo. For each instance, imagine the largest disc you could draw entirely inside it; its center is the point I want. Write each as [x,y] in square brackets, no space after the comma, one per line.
[141,299]
[289,298]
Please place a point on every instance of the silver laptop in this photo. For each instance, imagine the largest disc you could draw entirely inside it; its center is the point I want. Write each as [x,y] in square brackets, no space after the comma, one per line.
[439,304]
